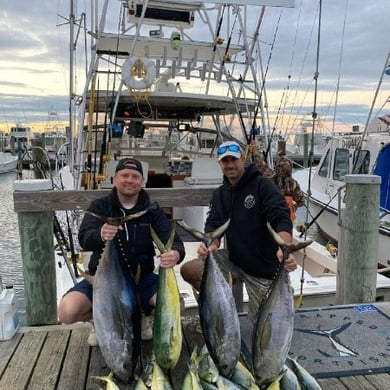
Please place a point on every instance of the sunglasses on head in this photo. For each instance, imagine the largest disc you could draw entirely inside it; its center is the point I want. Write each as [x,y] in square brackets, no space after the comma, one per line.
[231,148]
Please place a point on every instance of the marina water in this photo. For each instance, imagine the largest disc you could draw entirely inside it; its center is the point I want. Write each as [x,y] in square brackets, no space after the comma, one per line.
[11,270]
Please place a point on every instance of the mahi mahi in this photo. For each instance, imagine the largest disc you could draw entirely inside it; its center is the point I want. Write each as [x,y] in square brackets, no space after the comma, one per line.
[116,314]
[274,323]
[167,332]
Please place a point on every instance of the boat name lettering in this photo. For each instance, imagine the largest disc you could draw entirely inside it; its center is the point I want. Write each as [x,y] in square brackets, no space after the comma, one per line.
[351,142]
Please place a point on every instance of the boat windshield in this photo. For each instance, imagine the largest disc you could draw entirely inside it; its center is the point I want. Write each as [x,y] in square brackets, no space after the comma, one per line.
[361,162]
[341,164]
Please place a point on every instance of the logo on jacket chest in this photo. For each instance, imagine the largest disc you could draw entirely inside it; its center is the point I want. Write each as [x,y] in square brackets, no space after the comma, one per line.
[249,201]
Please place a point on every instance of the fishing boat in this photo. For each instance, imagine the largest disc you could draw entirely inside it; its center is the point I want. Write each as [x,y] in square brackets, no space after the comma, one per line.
[350,153]
[172,93]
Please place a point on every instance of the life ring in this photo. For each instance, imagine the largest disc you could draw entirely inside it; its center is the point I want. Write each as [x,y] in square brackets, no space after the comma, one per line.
[138,72]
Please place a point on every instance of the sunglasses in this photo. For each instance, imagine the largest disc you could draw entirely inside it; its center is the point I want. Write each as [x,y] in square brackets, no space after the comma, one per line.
[231,148]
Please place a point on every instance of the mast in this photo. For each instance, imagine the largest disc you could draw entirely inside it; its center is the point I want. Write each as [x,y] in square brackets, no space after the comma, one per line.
[71,85]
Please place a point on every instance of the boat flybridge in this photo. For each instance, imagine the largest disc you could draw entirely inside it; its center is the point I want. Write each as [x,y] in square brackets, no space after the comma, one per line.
[179,72]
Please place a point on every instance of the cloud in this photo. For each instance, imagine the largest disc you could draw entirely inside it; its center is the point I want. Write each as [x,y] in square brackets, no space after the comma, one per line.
[34,58]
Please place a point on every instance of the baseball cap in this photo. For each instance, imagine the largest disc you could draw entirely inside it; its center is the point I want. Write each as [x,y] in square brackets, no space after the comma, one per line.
[130,163]
[229,148]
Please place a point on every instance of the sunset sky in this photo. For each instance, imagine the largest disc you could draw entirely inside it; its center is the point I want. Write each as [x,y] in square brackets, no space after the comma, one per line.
[34,59]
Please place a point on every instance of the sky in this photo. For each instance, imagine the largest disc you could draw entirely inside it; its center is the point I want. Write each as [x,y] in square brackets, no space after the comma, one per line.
[34,60]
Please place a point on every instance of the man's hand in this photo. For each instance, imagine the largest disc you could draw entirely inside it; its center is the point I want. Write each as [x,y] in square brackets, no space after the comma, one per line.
[169,259]
[203,249]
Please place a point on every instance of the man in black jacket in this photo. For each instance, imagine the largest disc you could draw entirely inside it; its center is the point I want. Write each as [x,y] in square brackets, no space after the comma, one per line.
[134,238]
[250,200]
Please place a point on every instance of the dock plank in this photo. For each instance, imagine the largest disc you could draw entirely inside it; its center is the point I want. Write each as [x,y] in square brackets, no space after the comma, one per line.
[59,357]
[331,383]
[22,363]
[379,381]
[7,349]
[357,383]
[75,365]
[49,364]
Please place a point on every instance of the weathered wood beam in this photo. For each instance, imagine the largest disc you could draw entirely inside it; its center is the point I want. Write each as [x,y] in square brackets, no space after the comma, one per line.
[72,200]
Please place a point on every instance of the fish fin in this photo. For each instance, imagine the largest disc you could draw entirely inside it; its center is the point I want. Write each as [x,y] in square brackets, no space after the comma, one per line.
[161,247]
[129,217]
[219,231]
[194,232]
[287,246]
[85,275]
[137,275]
[230,279]
[246,355]
[298,302]
[169,244]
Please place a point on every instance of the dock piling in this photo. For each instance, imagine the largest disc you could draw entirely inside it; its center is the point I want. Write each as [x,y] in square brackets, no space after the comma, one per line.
[358,241]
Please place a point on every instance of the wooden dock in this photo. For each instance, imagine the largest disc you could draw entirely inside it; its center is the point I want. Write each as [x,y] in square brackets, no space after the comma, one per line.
[59,357]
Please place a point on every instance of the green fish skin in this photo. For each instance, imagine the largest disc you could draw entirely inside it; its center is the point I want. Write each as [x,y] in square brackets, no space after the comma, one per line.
[207,370]
[289,380]
[243,377]
[159,380]
[191,380]
[306,380]
[167,330]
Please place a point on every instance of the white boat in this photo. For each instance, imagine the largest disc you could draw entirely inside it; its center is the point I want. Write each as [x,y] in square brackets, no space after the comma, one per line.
[350,153]
[8,162]
[156,86]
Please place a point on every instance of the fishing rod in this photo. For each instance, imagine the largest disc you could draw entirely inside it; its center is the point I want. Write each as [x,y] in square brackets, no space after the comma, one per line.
[73,254]
[63,246]
[313,221]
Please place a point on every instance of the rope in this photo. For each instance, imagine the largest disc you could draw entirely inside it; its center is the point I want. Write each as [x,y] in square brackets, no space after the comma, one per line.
[340,63]
[314,117]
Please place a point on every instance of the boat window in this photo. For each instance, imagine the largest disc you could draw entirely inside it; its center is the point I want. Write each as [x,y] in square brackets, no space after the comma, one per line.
[361,162]
[324,168]
[341,163]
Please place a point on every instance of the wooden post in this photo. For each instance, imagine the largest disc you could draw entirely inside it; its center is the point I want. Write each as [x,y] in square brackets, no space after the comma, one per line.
[358,241]
[37,247]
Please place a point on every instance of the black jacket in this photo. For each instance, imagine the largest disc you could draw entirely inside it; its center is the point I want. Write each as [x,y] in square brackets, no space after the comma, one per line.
[135,239]
[249,205]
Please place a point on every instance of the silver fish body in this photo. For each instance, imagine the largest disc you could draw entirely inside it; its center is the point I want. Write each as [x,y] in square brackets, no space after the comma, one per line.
[219,318]
[306,381]
[273,331]
[207,370]
[289,381]
[243,377]
[116,314]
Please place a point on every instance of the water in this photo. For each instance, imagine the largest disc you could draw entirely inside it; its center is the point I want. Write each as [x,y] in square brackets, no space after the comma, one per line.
[11,270]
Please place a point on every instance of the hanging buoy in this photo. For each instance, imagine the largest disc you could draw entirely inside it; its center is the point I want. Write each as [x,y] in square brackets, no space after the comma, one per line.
[387,70]
[138,72]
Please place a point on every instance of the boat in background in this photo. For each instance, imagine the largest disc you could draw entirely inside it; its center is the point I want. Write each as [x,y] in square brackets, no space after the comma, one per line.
[20,139]
[300,142]
[167,86]
[350,153]
[8,162]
